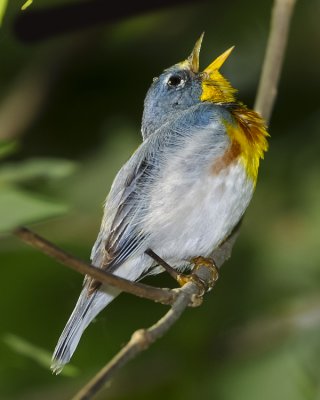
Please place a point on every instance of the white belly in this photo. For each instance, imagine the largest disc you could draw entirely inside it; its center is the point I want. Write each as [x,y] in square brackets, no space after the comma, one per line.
[191,217]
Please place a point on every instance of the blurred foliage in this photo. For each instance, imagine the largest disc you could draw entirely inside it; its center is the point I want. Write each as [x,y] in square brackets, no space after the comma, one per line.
[26,4]
[19,204]
[39,355]
[257,333]
[3,6]
[7,147]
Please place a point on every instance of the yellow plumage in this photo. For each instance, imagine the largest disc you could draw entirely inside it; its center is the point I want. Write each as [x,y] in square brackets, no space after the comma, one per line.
[248,135]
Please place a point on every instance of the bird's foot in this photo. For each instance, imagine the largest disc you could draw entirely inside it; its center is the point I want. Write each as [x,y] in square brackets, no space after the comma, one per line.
[205,284]
[209,264]
[206,264]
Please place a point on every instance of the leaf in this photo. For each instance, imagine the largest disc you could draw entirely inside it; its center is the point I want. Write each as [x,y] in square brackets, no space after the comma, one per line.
[26,4]
[7,147]
[46,168]
[18,207]
[35,353]
[3,7]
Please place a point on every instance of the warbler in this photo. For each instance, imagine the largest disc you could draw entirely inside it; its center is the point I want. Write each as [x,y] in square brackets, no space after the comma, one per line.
[184,189]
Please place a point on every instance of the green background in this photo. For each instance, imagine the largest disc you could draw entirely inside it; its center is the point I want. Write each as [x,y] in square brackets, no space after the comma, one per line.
[73,106]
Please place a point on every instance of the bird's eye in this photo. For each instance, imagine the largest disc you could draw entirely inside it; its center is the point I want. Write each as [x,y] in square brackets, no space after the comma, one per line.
[175,80]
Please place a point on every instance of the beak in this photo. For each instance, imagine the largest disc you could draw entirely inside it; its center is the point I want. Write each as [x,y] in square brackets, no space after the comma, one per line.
[193,59]
[218,62]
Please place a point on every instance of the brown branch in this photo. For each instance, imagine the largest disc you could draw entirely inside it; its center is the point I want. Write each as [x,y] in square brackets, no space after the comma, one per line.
[273,61]
[143,338]
[164,296]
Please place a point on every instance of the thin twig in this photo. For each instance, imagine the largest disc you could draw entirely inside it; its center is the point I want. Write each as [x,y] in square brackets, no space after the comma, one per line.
[164,296]
[143,338]
[273,61]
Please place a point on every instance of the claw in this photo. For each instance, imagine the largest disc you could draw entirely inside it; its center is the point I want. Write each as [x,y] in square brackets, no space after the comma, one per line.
[204,286]
[208,263]
[182,279]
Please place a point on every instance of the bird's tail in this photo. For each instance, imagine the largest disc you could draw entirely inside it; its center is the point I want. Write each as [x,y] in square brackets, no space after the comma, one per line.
[84,312]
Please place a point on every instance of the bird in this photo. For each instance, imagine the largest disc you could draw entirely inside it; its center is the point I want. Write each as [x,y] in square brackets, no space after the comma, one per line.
[183,190]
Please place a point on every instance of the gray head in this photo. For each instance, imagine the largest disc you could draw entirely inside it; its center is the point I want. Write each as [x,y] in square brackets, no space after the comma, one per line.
[175,90]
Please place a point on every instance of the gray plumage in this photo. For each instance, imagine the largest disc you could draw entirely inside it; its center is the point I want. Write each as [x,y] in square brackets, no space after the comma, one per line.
[164,103]
[161,197]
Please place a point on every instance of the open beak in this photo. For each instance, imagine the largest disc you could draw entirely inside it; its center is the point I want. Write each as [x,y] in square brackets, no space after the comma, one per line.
[218,62]
[193,59]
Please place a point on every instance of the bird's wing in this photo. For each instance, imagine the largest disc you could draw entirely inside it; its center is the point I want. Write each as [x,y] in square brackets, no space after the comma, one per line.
[120,234]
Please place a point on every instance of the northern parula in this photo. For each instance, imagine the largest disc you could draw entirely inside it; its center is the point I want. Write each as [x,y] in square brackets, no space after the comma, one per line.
[182,191]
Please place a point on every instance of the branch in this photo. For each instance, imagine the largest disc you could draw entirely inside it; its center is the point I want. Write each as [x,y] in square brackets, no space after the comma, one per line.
[273,61]
[142,339]
[164,296]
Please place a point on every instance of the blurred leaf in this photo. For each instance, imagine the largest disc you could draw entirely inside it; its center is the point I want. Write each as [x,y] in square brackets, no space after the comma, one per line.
[281,373]
[48,168]
[26,4]
[7,147]
[3,6]
[37,354]
[18,207]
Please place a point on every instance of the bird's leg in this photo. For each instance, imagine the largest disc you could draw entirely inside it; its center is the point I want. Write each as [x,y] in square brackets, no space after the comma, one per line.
[171,271]
[182,279]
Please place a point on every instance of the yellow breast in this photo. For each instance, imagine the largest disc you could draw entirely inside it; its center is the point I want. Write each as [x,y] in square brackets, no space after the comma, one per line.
[248,135]
[248,138]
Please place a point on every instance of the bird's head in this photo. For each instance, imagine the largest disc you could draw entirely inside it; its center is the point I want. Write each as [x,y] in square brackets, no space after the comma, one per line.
[182,86]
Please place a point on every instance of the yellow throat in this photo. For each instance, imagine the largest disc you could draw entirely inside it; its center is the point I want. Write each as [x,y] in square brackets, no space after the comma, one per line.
[248,135]
[215,87]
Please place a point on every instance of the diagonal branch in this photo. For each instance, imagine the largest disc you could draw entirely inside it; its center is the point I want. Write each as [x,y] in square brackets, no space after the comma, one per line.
[164,296]
[143,338]
[273,61]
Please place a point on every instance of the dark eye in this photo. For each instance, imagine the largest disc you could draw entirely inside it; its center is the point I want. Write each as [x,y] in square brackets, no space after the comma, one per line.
[175,80]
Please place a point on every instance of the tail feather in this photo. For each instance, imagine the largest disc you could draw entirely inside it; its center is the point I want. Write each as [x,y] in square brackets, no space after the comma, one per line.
[89,306]
[86,309]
